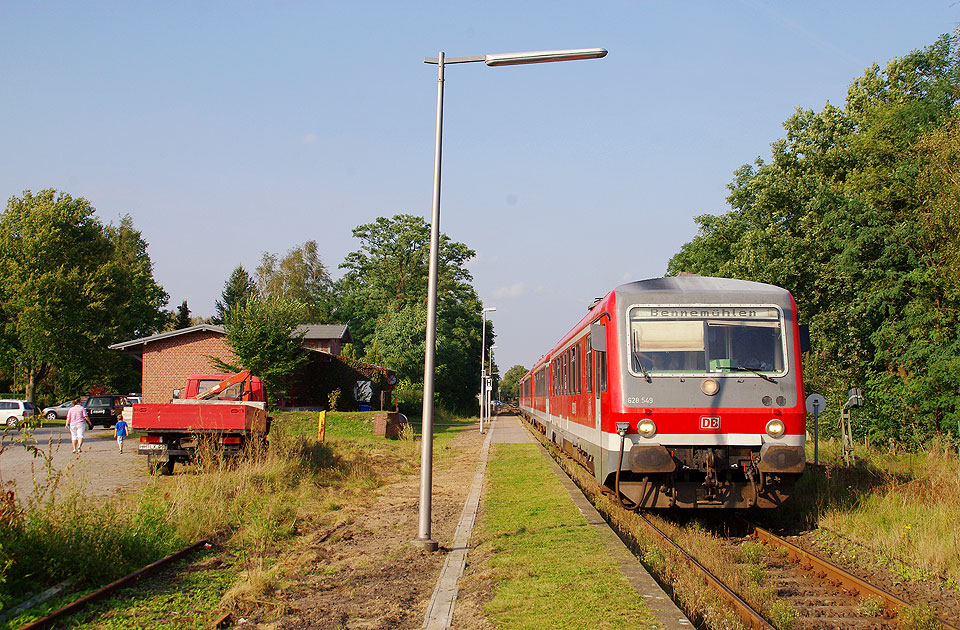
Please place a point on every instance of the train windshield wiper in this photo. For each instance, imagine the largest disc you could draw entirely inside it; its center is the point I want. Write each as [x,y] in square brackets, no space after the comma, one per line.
[640,367]
[740,368]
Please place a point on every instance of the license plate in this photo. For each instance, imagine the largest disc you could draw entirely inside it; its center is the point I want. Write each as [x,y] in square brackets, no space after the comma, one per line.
[152,447]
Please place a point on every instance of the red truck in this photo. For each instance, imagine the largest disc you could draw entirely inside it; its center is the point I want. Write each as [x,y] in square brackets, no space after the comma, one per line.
[227,410]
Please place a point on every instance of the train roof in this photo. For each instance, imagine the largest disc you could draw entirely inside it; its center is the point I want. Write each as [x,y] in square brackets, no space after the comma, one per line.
[694,289]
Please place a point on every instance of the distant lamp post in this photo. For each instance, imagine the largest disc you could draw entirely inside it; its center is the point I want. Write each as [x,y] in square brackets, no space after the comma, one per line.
[426,455]
[490,381]
[483,347]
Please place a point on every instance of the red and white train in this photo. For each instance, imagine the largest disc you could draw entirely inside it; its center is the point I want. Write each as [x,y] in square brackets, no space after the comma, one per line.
[679,392]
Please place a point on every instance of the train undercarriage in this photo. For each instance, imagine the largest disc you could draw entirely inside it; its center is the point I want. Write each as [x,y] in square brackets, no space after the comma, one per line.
[729,477]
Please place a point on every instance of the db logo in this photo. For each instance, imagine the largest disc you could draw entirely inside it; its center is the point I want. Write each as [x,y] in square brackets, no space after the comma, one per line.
[710,423]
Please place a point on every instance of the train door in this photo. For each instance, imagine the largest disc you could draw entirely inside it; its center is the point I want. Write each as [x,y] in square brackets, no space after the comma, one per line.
[598,345]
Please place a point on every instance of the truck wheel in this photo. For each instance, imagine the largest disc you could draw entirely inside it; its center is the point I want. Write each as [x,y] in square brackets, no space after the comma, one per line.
[158,467]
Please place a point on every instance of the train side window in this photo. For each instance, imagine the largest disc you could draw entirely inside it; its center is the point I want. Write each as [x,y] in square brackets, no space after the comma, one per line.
[589,365]
[576,355]
[576,368]
[573,369]
[601,371]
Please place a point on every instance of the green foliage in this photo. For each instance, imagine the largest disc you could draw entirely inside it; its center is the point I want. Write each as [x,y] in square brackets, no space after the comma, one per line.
[261,334]
[69,287]
[510,385]
[51,540]
[238,287]
[332,398]
[299,276]
[383,295]
[182,318]
[857,215]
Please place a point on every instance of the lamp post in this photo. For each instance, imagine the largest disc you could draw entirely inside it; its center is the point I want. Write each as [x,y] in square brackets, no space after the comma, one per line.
[490,381]
[426,454]
[483,347]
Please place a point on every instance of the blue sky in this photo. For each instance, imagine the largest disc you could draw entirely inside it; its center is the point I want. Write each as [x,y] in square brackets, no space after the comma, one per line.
[227,129]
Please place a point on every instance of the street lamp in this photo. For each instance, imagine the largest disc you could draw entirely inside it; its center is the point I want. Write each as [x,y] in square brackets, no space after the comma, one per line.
[490,381]
[483,347]
[426,454]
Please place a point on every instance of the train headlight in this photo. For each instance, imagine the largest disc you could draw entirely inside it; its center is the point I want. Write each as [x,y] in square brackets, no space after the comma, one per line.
[709,386]
[776,428]
[646,428]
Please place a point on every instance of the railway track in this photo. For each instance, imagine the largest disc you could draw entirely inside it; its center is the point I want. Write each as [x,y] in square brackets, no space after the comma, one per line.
[54,618]
[823,591]
[786,586]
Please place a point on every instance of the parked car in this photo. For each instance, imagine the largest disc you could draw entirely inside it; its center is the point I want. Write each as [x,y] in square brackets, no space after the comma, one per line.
[131,400]
[15,412]
[57,411]
[104,409]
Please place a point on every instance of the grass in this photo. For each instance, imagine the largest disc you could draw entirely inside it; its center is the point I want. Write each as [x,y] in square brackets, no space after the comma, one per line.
[186,595]
[545,551]
[897,510]
[252,507]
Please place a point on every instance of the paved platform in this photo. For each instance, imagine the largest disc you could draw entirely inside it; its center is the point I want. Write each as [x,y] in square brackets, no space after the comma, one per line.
[509,429]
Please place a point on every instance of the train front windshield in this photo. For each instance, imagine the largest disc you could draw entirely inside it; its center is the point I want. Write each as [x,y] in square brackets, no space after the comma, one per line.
[706,339]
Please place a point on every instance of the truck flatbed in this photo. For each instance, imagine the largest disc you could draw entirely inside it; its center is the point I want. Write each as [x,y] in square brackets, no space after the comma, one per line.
[201,415]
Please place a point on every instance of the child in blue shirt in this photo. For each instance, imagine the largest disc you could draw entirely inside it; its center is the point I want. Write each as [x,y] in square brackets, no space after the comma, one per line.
[120,431]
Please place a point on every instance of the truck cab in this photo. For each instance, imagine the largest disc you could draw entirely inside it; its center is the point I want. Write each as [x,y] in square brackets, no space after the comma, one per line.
[249,390]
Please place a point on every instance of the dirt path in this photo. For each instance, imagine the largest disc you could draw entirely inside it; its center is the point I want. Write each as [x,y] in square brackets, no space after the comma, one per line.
[367,574]
[100,468]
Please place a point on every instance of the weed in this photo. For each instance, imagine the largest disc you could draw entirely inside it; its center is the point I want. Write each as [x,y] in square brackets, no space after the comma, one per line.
[871,606]
[782,614]
[919,617]
[897,511]
[756,573]
[753,552]
[332,399]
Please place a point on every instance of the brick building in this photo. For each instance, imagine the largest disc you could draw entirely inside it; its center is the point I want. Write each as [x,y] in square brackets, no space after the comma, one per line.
[169,357]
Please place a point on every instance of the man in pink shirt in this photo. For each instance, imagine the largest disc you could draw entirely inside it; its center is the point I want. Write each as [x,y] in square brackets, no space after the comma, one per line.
[77,423]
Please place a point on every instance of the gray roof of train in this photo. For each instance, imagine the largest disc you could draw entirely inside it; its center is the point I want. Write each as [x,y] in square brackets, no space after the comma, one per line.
[693,289]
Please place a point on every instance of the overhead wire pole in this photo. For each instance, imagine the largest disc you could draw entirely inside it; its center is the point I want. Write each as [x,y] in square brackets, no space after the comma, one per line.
[426,453]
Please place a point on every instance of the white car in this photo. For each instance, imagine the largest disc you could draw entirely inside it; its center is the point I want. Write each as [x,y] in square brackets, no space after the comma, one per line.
[15,412]
[128,409]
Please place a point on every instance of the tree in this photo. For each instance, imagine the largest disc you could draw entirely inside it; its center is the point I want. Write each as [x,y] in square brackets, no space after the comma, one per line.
[261,332]
[70,286]
[383,296]
[856,215]
[182,318]
[299,276]
[238,287]
[390,270]
[510,385]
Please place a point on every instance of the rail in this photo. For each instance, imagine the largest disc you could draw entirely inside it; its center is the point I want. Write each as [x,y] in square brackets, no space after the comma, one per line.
[79,604]
[856,586]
